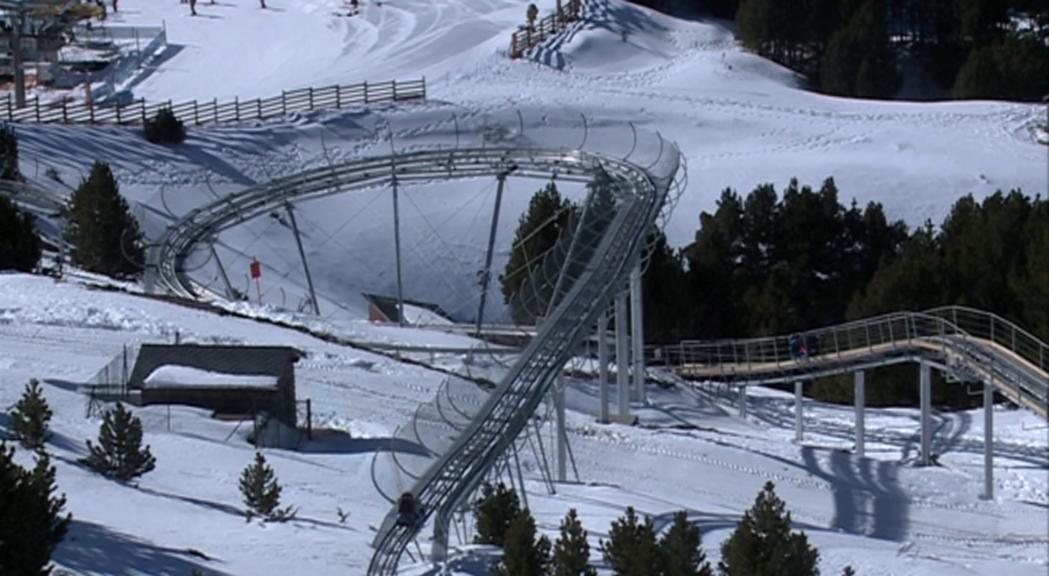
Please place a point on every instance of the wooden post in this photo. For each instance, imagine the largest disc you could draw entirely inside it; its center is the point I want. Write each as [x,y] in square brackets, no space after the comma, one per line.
[310,92]
[365,91]
[394,84]
[196,113]
[283,103]
[309,419]
[65,112]
[142,102]
[258,107]
[424,87]
[37,103]
[10,109]
[215,109]
[236,108]
[338,97]
[118,112]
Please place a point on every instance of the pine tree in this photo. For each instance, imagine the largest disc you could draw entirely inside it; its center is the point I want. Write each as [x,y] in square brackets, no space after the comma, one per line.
[632,549]
[165,127]
[31,520]
[532,13]
[261,491]
[523,554]
[9,154]
[848,571]
[19,241]
[494,511]
[764,544]
[539,229]
[102,231]
[119,453]
[571,550]
[680,549]
[30,417]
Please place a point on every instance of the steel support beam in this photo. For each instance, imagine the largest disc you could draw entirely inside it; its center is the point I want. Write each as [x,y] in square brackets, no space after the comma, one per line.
[925,393]
[230,292]
[302,255]
[602,364]
[799,412]
[637,333]
[622,355]
[860,398]
[486,274]
[988,438]
[562,435]
[397,250]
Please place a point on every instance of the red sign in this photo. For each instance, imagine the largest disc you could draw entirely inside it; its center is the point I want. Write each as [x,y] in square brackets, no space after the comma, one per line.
[256,270]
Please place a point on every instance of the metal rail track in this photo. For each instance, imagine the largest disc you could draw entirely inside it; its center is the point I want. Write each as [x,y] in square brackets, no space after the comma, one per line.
[602,270]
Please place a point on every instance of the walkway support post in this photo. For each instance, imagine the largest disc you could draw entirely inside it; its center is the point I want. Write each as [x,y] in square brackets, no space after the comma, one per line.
[622,355]
[637,333]
[743,402]
[988,438]
[799,414]
[562,435]
[602,363]
[486,274]
[925,393]
[302,255]
[860,397]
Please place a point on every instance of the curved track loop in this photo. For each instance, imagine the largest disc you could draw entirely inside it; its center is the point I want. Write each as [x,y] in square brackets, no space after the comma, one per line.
[972,345]
[607,247]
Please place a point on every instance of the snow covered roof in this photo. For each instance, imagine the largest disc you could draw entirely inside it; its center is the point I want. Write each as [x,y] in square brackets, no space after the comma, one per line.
[175,376]
[415,312]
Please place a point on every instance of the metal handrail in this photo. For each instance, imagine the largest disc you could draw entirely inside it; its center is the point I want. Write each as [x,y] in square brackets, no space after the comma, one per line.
[897,336]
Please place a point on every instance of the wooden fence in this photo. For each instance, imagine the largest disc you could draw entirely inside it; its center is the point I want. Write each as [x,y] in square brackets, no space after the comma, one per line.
[197,112]
[529,36]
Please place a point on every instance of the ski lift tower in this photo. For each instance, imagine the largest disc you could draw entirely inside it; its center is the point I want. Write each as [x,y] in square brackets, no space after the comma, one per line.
[20,18]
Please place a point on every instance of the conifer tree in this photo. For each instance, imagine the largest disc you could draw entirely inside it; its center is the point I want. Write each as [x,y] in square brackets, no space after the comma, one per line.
[119,453]
[680,549]
[31,519]
[9,154]
[848,571]
[532,13]
[538,231]
[632,549]
[764,544]
[30,417]
[104,235]
[571,550]
[19,241]
[523,554]
[494,511]
[261,491]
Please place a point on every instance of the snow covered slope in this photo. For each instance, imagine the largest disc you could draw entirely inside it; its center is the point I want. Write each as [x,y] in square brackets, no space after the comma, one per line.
[881,514]
[740,120]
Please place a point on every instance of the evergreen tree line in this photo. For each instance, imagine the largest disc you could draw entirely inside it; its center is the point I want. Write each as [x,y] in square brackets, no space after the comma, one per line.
[763,542]
[103,235]
[772,263]
[974,48]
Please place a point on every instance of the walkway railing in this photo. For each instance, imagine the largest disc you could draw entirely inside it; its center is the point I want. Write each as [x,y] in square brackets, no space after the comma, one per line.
[530,36]
[212,112]
[974,343]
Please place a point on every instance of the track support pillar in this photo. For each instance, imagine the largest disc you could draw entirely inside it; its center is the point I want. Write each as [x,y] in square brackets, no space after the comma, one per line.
[988,438]
[743,402]
[860,398]
[622,356]
[302,255]
[562,435]
[602,364]
[925,393]
[637,333]
[799,412]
